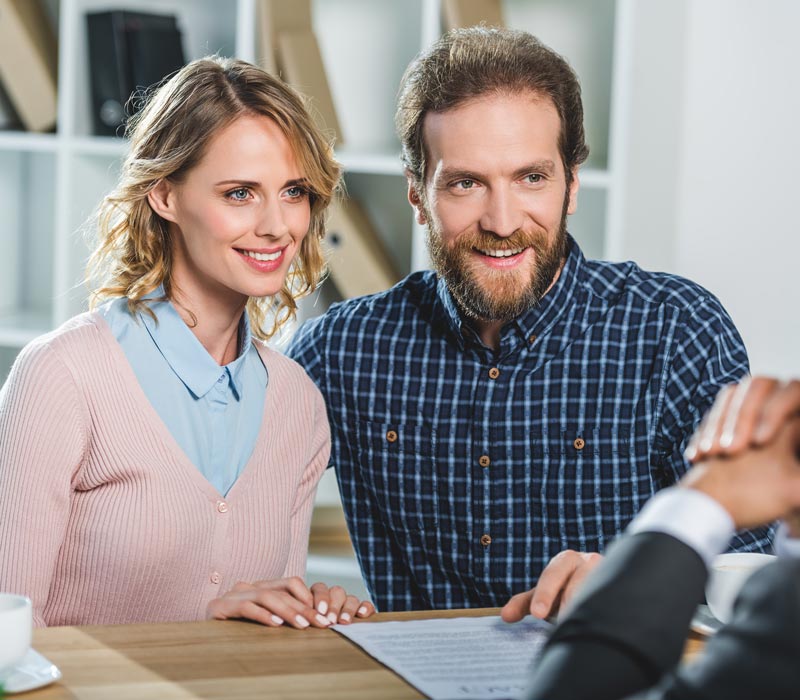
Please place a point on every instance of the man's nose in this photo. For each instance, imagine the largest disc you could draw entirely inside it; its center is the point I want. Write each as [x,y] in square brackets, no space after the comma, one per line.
[502,215]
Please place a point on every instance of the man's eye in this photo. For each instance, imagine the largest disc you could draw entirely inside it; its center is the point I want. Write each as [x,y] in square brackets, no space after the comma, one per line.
[533,178]
[465,184]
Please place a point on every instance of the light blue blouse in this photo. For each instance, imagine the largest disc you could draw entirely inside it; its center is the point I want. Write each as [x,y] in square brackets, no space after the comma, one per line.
[214,412]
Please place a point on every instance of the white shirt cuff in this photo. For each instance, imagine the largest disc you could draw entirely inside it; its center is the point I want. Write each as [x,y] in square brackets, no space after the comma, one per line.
[786,547]
[690,516]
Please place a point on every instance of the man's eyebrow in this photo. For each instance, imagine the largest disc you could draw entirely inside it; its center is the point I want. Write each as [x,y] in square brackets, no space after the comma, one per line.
[544,166]
[453,174]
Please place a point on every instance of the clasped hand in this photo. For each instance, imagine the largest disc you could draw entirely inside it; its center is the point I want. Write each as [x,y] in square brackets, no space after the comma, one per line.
[747,452]
[289,601]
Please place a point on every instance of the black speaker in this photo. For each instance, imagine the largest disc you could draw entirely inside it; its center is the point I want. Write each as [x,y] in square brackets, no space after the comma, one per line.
[128,51]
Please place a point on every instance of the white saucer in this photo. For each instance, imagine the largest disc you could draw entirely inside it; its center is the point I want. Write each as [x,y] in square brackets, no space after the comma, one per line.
[34,671]
[704,621]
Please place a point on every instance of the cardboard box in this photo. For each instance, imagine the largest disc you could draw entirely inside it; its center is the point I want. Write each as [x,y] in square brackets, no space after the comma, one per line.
[29,62]
[274,17]
[468,13]
[358,261]
[300,64]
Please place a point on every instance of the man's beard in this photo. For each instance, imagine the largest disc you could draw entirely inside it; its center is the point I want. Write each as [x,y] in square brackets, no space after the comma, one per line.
[501,298]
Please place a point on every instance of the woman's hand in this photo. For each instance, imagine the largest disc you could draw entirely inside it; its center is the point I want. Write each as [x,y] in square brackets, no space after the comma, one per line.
[338,606]
[289,601]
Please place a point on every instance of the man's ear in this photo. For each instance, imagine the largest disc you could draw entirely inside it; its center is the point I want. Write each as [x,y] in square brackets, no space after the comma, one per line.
[415,200]
[574,186]
[162,200]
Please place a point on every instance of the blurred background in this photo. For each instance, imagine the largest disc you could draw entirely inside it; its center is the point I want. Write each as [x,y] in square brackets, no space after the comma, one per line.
[692,112]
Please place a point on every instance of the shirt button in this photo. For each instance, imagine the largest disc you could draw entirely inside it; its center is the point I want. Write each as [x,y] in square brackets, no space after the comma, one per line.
[221,379]
[532,339]
[215,578]
[391,436]
[494,373]
[222,507]
[486,540]
[484,460]
[579,443]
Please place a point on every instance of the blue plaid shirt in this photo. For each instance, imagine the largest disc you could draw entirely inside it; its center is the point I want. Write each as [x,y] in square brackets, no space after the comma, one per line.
[463,471]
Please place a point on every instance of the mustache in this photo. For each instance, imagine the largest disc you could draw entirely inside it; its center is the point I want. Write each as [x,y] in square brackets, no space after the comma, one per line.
[486,240]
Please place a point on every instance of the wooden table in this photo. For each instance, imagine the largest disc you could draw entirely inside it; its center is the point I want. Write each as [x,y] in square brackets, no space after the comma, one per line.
[225,660]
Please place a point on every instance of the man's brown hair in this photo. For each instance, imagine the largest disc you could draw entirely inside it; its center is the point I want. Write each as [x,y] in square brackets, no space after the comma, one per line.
[466,64]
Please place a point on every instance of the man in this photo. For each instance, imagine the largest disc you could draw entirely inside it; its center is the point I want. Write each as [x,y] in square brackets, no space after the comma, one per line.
[520,400]
[628,625]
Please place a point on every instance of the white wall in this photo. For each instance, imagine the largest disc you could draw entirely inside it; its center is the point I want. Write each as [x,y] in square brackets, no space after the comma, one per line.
[739,231]
[728,219]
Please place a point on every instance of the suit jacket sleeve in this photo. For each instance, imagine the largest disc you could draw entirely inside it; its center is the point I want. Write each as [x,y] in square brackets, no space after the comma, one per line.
[628,625]
[757,655]
[625,634]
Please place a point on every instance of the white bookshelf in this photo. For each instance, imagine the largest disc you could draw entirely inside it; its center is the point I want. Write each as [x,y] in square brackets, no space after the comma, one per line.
[51,182]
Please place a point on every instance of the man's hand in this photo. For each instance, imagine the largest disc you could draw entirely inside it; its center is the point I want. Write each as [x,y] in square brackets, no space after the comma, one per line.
[557,584]
[289,601]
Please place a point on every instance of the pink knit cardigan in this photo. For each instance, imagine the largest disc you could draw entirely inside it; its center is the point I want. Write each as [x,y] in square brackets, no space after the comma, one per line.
[103,519]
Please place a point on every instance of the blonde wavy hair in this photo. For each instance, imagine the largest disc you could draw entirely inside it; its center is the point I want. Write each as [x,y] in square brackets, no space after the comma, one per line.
[168,137]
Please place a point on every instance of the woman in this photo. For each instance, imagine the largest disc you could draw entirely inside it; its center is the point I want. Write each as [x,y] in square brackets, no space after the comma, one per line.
[152,453]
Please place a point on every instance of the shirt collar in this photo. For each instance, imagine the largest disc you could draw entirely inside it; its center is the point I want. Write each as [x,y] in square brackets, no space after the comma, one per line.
[537,319]
[186,355]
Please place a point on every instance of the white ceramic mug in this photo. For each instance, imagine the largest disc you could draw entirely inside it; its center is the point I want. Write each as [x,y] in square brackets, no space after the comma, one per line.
[16,624]
[727,576]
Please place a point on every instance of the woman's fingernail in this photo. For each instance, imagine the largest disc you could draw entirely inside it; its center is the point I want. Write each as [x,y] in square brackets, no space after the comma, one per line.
[345,617]
[332,617]
[323,620]
[277,620]
[362,610]
[322,607]
[726,439]
[302,621]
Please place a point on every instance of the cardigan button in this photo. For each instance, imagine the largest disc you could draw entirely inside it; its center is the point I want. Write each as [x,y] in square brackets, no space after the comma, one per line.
[222,507]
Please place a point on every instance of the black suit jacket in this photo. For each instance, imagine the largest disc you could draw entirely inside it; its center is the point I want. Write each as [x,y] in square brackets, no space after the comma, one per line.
[625,634]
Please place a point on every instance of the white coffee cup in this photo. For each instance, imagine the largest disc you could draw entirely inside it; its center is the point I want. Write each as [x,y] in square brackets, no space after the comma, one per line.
[16,625]
[726,578]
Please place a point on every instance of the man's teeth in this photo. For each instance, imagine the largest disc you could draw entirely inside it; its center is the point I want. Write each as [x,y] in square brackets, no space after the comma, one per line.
[501,253]
[261,257]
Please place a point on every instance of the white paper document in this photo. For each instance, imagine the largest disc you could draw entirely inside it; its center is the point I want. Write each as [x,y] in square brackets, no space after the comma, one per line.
[466,658]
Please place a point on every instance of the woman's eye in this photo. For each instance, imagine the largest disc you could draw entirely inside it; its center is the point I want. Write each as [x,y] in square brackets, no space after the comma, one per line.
[295,192]
[239,194]
[465,184]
